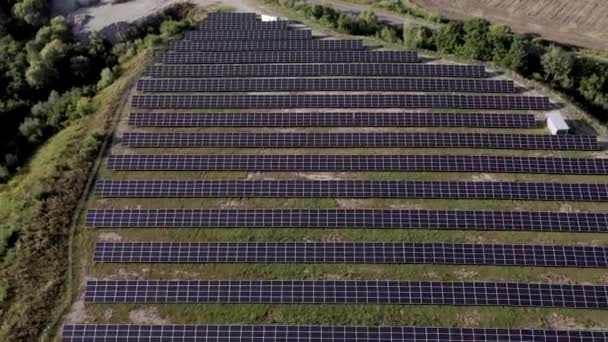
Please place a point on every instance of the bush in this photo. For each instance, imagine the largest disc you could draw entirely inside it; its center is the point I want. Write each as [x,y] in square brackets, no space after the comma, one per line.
[594,88]
[107,78]
[153,40]
[450,37]
[172,27]
[389,34]
[558,66]
[477,44]
[417,37]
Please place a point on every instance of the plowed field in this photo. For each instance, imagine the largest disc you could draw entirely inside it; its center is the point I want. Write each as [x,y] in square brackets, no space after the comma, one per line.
[580,22]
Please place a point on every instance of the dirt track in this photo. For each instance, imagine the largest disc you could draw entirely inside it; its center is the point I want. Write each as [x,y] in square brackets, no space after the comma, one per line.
[578,22]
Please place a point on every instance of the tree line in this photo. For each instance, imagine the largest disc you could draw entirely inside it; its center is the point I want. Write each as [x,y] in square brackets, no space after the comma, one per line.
[582,77]
[48,78]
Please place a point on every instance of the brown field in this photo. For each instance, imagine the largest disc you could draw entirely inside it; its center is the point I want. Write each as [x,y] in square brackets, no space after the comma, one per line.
[578,22]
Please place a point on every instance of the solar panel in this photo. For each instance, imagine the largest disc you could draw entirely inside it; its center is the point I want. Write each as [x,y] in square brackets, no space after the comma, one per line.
[351,252]
[341,101]
[363,140]
[242,25]
[257,57]
[186,45]
[249,35]
[226,16]
[308,333]
[347,292]
[351,219]
[486,164]
[313,70]
[484,120]
[352,189]
[325,84]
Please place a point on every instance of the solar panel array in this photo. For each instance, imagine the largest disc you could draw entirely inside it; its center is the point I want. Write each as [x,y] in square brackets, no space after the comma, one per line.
[364,140]
[350,218]
[275,45]
[340,101]
[426,163]
[351,252]
[346,292]
[257,57]
[482,120]
[249,35]
[325,84]
[294,333]
[314,70]
[352,189]
[235,52]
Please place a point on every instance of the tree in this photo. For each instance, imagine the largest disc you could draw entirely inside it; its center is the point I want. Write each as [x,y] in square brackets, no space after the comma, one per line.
[38,74]
[53,51]
[477,44]
[450,37]
[594,88]
[558,66]
[80,66]
[42,65]
[501,38]
[30,11]
[517,57]
[32,129]
[417,37]
[97,46]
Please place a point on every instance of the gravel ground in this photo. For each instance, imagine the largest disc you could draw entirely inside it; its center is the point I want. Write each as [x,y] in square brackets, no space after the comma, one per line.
[105,14]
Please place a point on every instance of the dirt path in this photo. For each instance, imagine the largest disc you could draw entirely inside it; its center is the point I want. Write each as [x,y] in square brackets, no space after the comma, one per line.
[581,22]
[387,17]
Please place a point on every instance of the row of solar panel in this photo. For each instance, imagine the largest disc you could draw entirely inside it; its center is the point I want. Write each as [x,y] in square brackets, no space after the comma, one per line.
[486,164]
[312,70]
[352,189]
[482,120]
[363,140]
[307,333]
[346,292]
[257,57]
[242,25]
[351,252]
[278,45]
[326,84]
[244,35]
[350,219]
[231,16]
[340,101]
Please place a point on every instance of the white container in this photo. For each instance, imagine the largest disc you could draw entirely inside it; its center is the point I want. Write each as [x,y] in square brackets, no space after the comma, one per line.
[556,123]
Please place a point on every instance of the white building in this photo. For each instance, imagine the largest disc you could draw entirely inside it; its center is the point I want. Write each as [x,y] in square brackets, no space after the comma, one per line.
[556,123]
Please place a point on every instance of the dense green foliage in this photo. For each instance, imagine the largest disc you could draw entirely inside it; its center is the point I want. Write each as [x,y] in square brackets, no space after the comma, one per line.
[579,76]
[48,78]
[51,86]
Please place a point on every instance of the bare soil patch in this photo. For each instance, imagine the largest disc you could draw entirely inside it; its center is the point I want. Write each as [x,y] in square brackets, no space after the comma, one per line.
[146,316]
[583,22]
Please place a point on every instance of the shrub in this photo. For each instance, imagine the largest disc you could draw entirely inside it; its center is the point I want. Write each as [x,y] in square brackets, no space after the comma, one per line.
[417,37]
[558,65]
[107,77]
